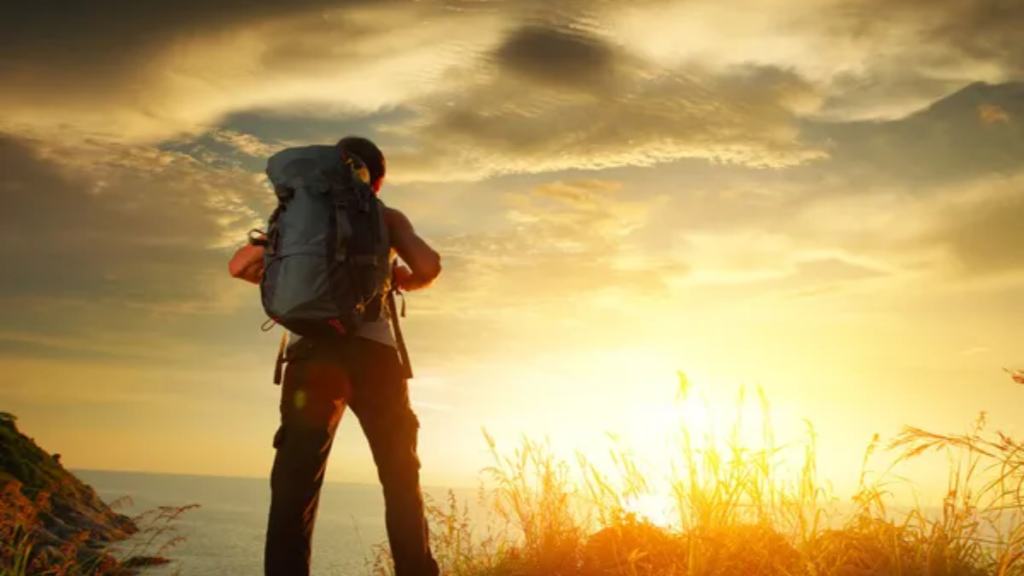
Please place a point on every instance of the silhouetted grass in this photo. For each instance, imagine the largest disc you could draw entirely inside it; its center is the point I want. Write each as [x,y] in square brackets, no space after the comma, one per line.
[738,512]
[25,548]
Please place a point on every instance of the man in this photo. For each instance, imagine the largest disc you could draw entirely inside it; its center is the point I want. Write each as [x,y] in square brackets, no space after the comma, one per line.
[365,374]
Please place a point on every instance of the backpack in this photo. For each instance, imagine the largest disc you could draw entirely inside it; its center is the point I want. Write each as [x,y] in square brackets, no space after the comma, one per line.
[326,263]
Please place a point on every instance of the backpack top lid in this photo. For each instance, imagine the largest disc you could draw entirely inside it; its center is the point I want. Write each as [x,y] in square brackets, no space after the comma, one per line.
[316,166]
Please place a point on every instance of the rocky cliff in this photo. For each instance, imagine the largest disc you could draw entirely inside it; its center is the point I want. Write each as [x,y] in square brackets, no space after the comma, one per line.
[48,517]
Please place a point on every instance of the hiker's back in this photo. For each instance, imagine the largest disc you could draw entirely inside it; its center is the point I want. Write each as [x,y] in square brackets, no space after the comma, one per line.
[378,330]
[327,264]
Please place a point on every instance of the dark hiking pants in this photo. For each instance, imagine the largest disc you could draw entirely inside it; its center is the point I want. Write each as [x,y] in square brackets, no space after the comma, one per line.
[320,381]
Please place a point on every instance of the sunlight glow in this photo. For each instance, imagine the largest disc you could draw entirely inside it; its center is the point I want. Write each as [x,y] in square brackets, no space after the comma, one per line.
[654,508]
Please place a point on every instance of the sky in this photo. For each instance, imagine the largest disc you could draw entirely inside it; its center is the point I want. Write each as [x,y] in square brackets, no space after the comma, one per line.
[823,197]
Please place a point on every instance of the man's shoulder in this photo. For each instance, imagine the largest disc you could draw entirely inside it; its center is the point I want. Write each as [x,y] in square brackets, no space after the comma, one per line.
[392,212]
[396,219]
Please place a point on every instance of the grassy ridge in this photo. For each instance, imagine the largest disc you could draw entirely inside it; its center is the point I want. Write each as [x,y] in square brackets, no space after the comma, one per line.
[737,512]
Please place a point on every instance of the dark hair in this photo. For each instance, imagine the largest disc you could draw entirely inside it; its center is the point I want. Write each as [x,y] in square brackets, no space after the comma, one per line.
[368,152]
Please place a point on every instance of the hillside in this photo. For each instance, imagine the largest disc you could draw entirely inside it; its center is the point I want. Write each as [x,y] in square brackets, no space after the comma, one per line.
[49,513]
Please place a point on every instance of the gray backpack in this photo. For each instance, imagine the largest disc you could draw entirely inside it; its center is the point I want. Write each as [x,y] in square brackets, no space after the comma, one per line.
[327,266]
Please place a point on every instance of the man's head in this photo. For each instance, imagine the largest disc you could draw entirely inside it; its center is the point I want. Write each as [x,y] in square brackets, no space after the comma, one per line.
[370,154]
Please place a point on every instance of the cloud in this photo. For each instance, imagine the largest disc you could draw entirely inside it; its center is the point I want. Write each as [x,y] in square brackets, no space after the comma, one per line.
[494,89]
[972,133]
[134,76]
[566,260]
[962,233]
[978,33]
[897,201]
[489,89]
[119,227]
[560,57]
[763,253]
[934,198]
[566,241]
[131,74]
[245,143]
[114,34]
[492,124]
[580,193]
[983,229]
[870,59]
[926,48]
[467,91]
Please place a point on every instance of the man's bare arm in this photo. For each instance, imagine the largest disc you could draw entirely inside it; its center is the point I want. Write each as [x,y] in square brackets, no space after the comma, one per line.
[424,262]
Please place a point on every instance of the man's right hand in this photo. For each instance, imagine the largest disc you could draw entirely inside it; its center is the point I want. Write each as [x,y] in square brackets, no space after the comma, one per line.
[401,276]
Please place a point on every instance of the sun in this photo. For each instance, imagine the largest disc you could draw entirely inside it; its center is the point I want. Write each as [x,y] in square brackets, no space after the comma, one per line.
[655,507]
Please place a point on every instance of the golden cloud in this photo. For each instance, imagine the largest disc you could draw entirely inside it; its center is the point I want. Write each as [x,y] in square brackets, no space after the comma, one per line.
[562,240]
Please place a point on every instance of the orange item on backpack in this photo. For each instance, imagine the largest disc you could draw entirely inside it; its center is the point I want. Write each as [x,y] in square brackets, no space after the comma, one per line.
[247,263]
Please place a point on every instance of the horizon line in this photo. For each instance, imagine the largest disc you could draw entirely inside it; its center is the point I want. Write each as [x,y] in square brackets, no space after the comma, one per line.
[76,470]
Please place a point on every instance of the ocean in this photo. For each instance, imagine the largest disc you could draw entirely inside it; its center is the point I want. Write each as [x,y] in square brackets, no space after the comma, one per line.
[224,535]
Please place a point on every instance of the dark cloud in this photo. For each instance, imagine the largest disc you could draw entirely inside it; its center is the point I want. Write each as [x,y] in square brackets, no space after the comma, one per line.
[122,228]
[988,31]
[141,74]
[68,218]
[112,39]
[884,90]
[974,132]
[979,31]
[114,251]
[559,56]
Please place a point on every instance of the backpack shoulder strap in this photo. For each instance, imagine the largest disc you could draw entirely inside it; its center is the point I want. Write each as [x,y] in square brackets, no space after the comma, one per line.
[279,363]
[403,352]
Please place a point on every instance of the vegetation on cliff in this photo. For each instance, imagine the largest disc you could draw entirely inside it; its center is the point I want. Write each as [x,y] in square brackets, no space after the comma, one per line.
[52,523]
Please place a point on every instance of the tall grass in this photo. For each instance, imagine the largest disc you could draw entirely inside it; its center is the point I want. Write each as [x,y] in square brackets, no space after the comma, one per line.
[738,510]
[28,549]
